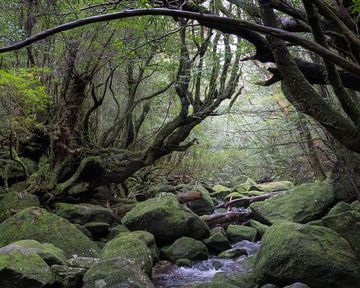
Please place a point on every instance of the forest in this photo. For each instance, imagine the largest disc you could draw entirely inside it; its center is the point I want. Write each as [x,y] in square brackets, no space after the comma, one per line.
[180,144]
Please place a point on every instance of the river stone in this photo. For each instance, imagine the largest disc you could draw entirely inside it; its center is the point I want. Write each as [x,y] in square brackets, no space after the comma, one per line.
[131,248]
[275,186]
[11,203]
[48,252]
[237,233]
[69,277]
[118,272]
[45,227]
[300,204]
[213,284]
[243,280]
[217,240]
[346,224]
[166,219]
[185,247]
[233,253]
[23,268]
[260,228]
[269,286]
[297,285]
[97,229]
[84,213]
[82,262]
[315,255]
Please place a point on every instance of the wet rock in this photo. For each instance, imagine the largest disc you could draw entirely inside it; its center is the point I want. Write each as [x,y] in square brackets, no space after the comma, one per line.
[243,280]
[115,273]
[297,285]
[217,240]
[233,253]
[45,227]
[22,268]
[301,204]
[183,262]
[166,219]
[237,233]
[203,206]
[69,277]
[130,248]
[310,254]
[213,284]
[11,203]
[97,229]
[269,286]
[185,247]
[48,252]
[84,213]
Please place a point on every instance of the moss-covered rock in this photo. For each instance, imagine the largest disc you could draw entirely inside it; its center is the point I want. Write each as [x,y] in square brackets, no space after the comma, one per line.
[260,228]
[213,284]
[183,262]
[233,253]
[48,252]
[237,233]
[131,248]
[340,207]
[97,229]
[275,186]
[11,203]
[82,262]
[115,273]
[203,206]
[166,219]
[346,224]
[221,188]
[244,183]
[22,268]
[116,230]
[314,255]
[301,204]
[217,240]
[148,239]
[297,285]
[84,213]
[185,247]
[243,280]
[45,227]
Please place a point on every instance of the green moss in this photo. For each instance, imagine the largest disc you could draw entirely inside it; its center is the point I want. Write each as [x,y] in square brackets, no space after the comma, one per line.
[276,186]
[166,219]
[243,280]
[185,247]
[301,204]
[116,272]
[237,233]
[340,207]
[38,224]
[260,228]
[213,284]
[10,203]
[22,268]
[314,255]
[217,241]
[203,206]
[130,247]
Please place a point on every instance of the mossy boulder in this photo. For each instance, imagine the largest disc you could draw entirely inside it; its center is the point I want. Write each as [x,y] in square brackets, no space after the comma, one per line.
[300,204]
[116,230]
[69,277]
[347,224]
[243,280]
[221,188]
[203,206]
[84,213]
[115,273]
[260,228]
[11,203]
[220,192]
[131,248]
[244,183]
[148,239]
[315,255]
[166,219]
[340,207]
[45,227]
[185,247]
[48,252]
[213,284]
[22,268]
[82,262]
[237,233]
[217,240]
[233,253]
[275,186]
[97,229]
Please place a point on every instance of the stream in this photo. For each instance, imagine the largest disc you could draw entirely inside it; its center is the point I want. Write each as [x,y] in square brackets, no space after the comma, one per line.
[168,275]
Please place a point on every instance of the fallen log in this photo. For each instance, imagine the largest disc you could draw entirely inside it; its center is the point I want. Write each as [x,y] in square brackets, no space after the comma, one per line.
[246,201]
[188,196]
[226,218]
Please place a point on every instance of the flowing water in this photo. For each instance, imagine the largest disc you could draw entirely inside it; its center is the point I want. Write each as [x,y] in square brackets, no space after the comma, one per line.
[203,271]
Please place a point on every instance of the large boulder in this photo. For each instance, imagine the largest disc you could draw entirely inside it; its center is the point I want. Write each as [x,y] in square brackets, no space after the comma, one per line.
[185,248]
[347,224]
[131,248]
[217,240]
[275,186]
[69,277]
[203,206]
[314,255]
[11,203]
[237,233]
[38,224]
[166,219]
[23,268]
[301,204]
[118,272]
[84,213]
